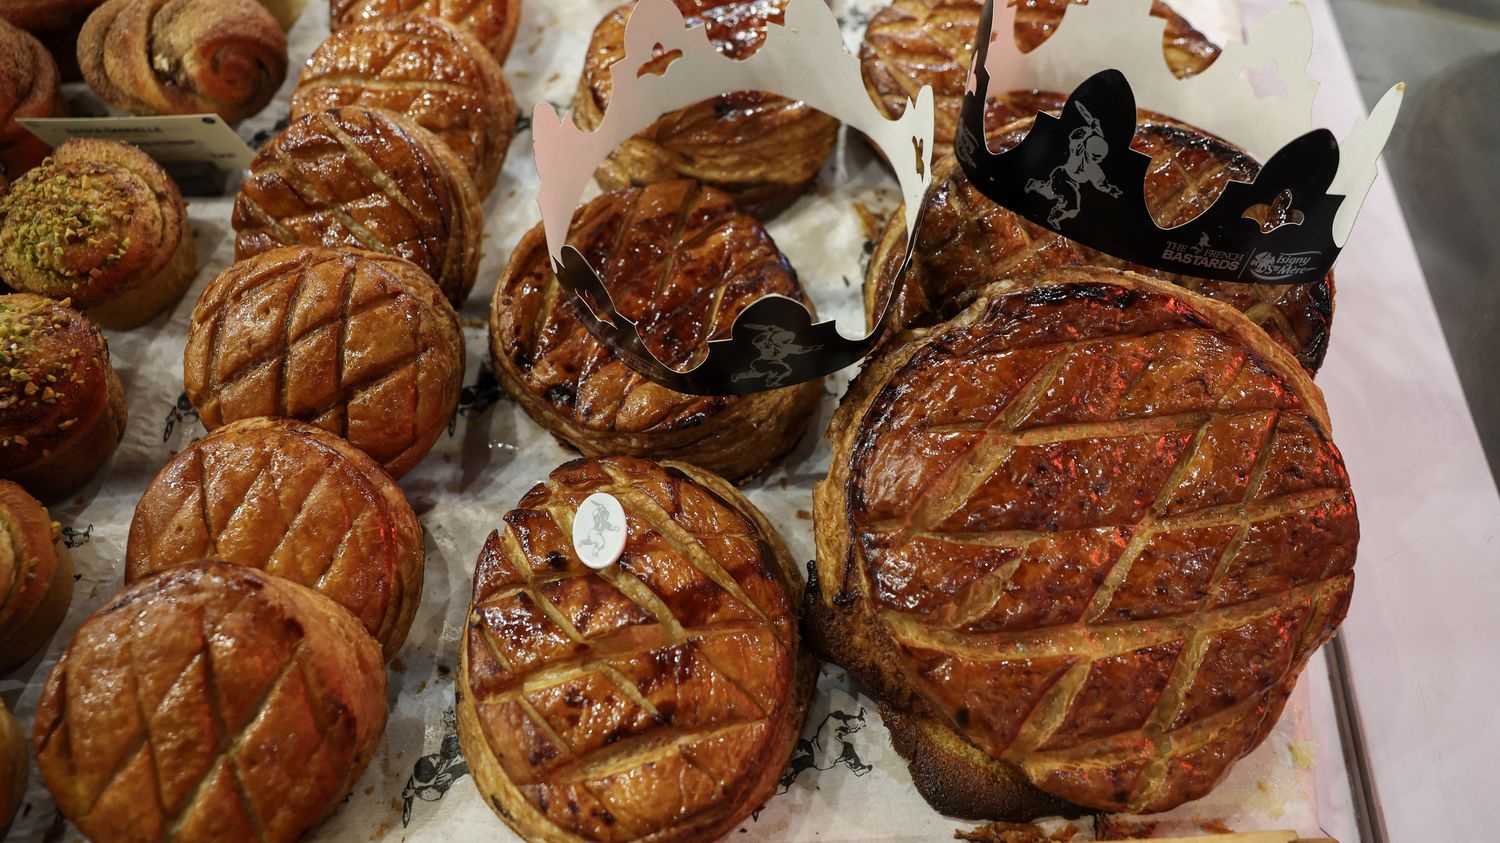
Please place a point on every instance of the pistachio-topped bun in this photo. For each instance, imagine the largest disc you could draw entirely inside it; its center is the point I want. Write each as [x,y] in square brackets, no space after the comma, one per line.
[103,225]
[62,410]
[36,578]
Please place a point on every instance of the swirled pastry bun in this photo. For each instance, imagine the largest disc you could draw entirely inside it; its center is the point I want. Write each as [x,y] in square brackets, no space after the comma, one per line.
[36,577]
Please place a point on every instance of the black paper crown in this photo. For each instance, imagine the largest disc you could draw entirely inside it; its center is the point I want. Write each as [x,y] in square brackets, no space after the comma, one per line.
[1076,174]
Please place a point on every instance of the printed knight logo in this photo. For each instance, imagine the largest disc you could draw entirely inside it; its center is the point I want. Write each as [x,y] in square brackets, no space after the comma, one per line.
[773,345]
[1273,266]
[1086,149]
[599,530]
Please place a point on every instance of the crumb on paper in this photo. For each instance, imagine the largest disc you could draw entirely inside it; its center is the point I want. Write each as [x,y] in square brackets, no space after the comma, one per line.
[1303,753]
[869,221]
[804,515]
[1117,827]
[1004,832]
[1215,826]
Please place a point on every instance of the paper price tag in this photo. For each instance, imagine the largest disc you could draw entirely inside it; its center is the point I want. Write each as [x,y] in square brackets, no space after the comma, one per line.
[179,138]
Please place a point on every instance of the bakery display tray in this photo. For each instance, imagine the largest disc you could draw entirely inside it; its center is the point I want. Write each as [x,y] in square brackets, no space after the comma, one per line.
[845,782]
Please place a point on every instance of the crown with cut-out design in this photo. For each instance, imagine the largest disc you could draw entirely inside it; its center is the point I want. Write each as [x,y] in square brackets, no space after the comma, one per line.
[1076,174]
[1073,173]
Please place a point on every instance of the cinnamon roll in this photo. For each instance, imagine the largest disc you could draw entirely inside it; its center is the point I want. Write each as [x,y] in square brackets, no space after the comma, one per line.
[28,88]
[227,57]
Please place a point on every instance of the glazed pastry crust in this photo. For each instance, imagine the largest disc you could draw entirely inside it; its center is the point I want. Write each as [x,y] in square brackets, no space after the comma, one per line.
[429,70]
[226,57]
[912,43]
[968,241]
[360,344]
[14,767]
[493,22]
[62,409]
[1142,499]
[103,225]
[36,576]
[761,149]
[683,262]
[684,655]
[364,178]
[29,87]
[267,699]
[295,501]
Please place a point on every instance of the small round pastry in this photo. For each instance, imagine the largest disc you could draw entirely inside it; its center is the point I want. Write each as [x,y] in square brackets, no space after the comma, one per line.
[428,69]
[28,88]
[682,261]
[364,179]
[967,241]
[100,224]
[36,575]
[15,763]
[226,57]
[46,17]
[295,501]
[658,698]
[1080,539]
[358,343]
[493,22]
[265,700]
[62,408]
[912,43]
[759,148]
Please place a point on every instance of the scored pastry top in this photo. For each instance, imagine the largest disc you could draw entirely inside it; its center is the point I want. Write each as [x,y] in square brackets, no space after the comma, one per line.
[658,696]
[912,43]
[265,702]
[677,257]
[294,501]
[364,178]
[1102,524]
[358,343]
[493,22]
[426,68]
[967,241]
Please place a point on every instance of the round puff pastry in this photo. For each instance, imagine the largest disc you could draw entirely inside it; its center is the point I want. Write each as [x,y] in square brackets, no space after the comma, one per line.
[294,501]
[62,408]
[968,241]
[15,763]
[266,701]
[1081,539]
[493,22]
[759,148]
[102,224]
[428,69]
[681,260]
[912,43]
[357,343]
[29,87]
[365,179]
[225,57]
[658,699]
[36,575]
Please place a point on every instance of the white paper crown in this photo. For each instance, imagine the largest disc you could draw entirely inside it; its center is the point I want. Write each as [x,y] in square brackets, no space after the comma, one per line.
[773,342]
